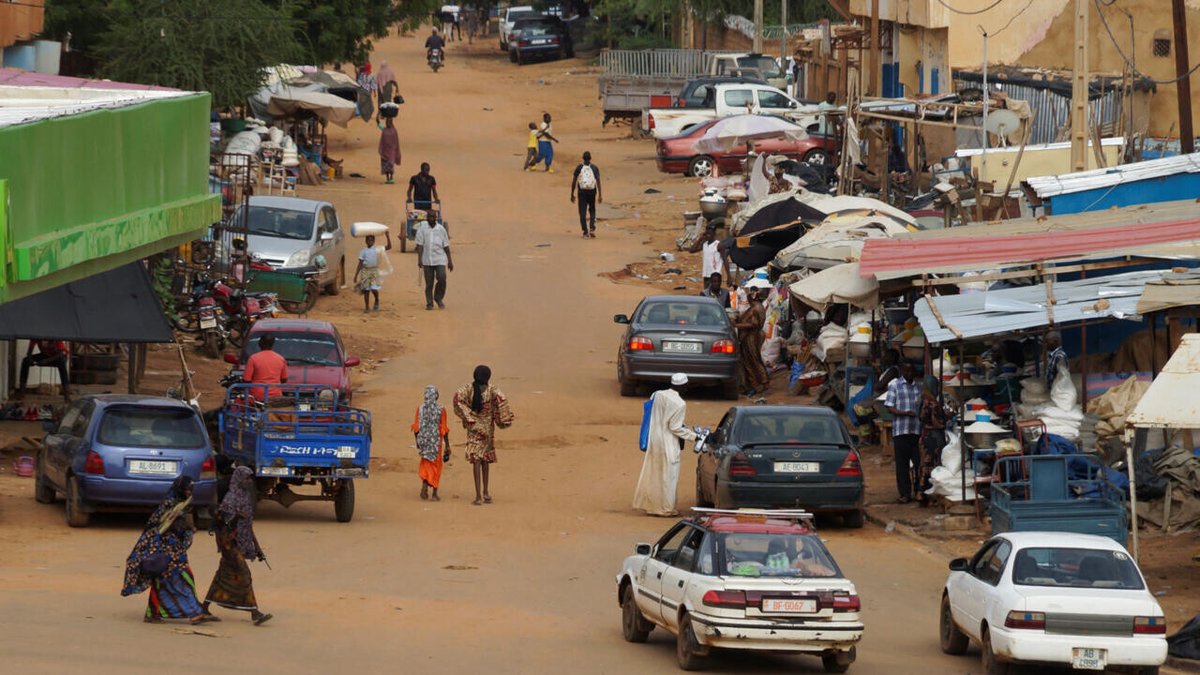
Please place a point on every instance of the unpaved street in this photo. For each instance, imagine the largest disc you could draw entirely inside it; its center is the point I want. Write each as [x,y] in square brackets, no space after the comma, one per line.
[523,585]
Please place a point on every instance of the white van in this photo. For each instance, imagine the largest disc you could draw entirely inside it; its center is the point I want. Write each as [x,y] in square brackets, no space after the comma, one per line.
[510,15]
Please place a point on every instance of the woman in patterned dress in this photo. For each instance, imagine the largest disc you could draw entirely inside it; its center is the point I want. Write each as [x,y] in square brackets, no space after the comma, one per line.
[232,586]
[433,442]
[482,408]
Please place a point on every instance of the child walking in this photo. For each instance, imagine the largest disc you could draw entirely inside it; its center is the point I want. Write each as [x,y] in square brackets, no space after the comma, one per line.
[433,442]
[531,149]
[367,277]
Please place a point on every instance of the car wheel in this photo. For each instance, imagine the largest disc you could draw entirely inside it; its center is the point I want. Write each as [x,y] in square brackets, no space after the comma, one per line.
[818,157]
[854,519]
[953,640]
[628,388]
[343,502]
[689,653]
[700,166]
[701,500]
[730,390]
[839,662]
[520,58]
[335,286]
[634,626]
[512,56]
[76,516]
[1149,670]
[990,665]
[43,491]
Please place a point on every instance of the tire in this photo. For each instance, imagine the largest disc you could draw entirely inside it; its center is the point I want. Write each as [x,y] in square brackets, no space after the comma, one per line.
[520,59]
[953,640]
[701,165]
[43,491]
[237,332]
[1149,670]
[212,345]
[634,626]
[95,362]
[818,157]
[335,287]
[729,390]
[837,663]
[628,388]
[76,516]
[688,652]
[854,520]
[990,665]
[343,503]
[700,500]
[512,56]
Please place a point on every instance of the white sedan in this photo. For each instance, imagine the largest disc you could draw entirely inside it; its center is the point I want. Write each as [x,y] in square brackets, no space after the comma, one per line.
[1053,598]
[759,580]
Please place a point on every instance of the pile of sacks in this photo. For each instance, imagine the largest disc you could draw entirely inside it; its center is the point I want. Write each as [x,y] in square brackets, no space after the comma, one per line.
[1058,408]
[1114,405]
[947,479]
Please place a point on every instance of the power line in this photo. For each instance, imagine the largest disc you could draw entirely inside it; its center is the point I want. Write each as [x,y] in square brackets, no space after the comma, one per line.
[1011,20]
[1129,63]
[966,13]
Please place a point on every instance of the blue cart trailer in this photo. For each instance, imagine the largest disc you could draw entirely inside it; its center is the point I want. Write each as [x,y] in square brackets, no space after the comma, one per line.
[305,436]
[1057,493]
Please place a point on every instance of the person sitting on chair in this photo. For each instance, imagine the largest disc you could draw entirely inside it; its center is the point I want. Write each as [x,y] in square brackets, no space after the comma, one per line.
[51,354]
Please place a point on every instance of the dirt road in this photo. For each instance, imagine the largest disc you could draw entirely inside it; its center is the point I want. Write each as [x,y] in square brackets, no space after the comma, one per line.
[523,585]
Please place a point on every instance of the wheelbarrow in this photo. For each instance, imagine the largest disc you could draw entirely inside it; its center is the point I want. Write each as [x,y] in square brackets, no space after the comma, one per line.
[297,288]
[414,214]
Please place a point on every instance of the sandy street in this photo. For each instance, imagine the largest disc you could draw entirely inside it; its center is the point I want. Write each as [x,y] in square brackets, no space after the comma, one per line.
[523,585]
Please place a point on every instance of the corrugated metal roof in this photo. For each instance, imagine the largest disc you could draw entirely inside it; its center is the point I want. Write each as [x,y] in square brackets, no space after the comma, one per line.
[1169,229]
[997,312]
[1046,187]
[24,104]
[26,78]
[1171,400]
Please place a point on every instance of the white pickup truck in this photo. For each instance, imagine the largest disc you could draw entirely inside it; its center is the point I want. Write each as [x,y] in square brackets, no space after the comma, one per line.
[727,100]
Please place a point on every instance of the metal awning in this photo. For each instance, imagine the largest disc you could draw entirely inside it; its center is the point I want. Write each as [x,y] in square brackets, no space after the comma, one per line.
[1170,402]
[114,306]
[1045,187]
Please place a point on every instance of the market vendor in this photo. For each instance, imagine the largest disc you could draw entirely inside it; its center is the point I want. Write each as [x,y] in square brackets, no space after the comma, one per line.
[1056,357]
[903,400]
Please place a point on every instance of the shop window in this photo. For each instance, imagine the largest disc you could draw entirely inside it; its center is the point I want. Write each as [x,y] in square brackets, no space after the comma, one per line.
[1162,43]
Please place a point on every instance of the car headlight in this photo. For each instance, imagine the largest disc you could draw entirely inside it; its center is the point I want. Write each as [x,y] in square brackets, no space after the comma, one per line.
[299,258]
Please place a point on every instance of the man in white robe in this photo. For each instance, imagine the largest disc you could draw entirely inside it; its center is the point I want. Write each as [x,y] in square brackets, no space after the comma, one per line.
[656,486]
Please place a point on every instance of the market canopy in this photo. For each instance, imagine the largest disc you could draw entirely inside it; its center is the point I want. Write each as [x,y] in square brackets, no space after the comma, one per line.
[837,285]
[1170,402]
[114,306]
[328,107]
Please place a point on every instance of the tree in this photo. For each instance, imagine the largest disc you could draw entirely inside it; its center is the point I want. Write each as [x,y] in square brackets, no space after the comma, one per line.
[334,31]
[218,46]
[79,23]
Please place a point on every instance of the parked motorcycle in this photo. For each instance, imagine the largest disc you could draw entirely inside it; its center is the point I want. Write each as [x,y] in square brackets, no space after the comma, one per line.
[203,316]
[435,59]
[242,309]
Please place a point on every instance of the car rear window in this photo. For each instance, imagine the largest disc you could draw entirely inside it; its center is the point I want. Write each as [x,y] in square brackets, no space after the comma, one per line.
[513,16]
[1077,568]
[775,555]
[765,65]
[268,221]
[302,348]
[789,427]
[151,428]
[681,314]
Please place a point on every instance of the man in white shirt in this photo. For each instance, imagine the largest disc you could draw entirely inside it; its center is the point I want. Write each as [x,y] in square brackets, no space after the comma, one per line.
[712,258]
[433,257]
[659,480]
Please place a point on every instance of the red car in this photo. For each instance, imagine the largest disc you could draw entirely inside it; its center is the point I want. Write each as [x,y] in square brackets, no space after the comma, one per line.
[313,350]
[676,154]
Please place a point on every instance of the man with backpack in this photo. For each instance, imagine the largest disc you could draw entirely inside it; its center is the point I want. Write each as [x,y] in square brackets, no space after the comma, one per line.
[587,181]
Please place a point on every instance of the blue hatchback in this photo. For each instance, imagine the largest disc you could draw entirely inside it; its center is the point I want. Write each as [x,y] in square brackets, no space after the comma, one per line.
[122,452]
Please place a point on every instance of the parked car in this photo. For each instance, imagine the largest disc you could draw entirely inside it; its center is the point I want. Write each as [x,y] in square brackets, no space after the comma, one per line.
[770,456]
[510,17]
[671,334]
[1053,598]
[677,154]
[759,581]
[539,36]
[119,452]
[313,350]
[289,232]
[696,93]
[758,65]
[728,100]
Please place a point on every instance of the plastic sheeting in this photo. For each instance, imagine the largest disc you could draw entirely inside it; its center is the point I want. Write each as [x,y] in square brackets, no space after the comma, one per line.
[837,285]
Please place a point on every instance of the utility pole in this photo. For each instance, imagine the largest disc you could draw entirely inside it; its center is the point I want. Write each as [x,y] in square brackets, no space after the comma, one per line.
[873,87]
[1079,90]
[758,21]
[1187,138]
[783,38]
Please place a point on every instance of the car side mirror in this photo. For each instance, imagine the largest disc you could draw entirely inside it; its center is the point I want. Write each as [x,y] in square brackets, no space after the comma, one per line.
[959,565]
[326,236]
[641,549]
[231,359]
[49,426]
[352,361]
[620,318]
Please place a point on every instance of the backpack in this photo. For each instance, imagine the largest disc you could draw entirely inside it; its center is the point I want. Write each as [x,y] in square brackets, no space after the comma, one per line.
[587,177]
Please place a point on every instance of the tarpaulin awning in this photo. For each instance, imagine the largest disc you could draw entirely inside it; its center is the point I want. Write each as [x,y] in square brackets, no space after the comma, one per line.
[753,251]
[837,285]
[838,239]
[328,107]
[114,306]
[1170,402]
[1174,290]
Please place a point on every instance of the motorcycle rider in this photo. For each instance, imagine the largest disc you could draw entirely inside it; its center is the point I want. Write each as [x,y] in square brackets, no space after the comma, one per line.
[435,41]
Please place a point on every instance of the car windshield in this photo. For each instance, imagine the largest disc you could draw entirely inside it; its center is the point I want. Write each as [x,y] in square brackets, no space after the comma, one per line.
[513,16]
[151,428]
[775,555]
[765,65]
[1076,567]
[788,426]
[667,313]
[268,221]
[303,348]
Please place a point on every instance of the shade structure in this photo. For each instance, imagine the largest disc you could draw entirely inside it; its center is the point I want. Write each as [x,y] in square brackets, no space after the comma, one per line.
[730,132]
[841,284]
[1171,400]
[328,107]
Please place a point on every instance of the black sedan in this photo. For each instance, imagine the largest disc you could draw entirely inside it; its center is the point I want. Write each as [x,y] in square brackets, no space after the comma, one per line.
[671,334]
[539,36]
[772,456]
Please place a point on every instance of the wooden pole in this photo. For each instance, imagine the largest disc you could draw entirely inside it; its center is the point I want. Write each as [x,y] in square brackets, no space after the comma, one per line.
[758,26]
[783,36]
[1079,90]
[873,86]
[1183,88]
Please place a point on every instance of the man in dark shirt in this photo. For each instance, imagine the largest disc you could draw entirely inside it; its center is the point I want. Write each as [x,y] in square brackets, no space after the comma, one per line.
[435,41]
[715,291]
[51,354]
[422,189]
[587,181]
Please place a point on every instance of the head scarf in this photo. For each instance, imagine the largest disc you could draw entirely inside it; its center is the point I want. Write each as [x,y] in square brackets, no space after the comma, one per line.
[177,503]
[429,440]
[238,507]
[385,74]
[482,376]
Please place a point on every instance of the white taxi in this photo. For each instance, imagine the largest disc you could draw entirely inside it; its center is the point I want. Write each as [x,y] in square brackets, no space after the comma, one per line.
[1053,598]
[745,579]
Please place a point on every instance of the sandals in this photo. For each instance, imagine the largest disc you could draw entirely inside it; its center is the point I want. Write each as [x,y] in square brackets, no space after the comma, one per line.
[262,618]
[487,499]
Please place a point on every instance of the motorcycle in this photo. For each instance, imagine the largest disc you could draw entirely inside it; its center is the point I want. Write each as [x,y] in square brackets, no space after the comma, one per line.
[242,309]
[203,315]
[435,58]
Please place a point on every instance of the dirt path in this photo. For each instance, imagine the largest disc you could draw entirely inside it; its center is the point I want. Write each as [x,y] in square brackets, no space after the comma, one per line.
[524,585]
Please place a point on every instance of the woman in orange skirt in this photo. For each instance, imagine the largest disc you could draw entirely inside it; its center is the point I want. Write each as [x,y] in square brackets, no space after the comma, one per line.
[433,442]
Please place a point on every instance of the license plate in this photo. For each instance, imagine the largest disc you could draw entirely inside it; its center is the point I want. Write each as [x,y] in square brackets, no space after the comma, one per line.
[686,347]
[797,467]
[210,322]
[275,471]
[152,467]
[1089,658]
[790,605]
[540,42]
[347,452]
[304,407]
